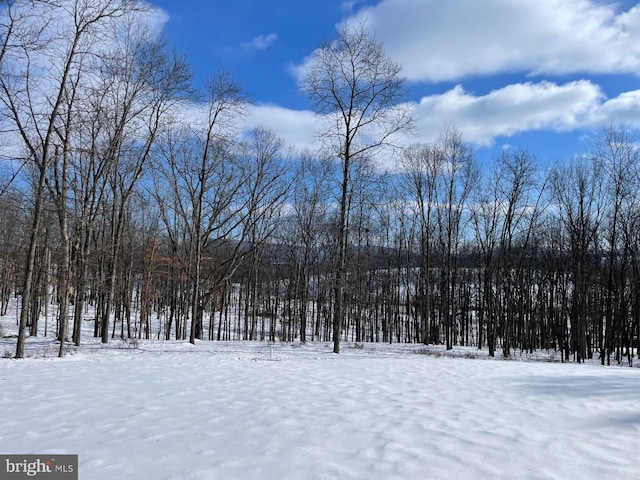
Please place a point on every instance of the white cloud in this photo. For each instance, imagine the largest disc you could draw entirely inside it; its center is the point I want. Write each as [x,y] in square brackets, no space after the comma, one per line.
[505,112]
[156,18]
[436,40]
[297,128]
[510,110]
[259,43]
[621,110]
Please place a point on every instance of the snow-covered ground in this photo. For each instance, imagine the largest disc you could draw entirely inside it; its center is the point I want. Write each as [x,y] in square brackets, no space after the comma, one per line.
[171,410]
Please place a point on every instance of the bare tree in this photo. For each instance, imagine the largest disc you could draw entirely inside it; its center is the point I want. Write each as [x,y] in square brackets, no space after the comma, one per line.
[90,172]
[486,221]
[266,184]
[149,84]
[358,89]
[198,178]
[579,192]
[301,233]
[453,187]
[617,153]
[12,222]
[516,197]
[217,196]
[422,165]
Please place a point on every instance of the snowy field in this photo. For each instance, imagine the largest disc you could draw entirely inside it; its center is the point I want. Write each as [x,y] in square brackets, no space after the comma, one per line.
[171,410]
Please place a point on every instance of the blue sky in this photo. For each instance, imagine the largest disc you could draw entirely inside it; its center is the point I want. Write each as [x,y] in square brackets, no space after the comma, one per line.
[547,75]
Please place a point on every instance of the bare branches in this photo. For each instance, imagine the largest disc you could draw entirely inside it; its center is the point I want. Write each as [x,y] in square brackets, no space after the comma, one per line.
[357,88]
[61,67]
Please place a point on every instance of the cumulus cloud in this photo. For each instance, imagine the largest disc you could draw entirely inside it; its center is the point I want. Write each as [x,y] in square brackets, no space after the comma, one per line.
[458,39]
[621,110]
[297,128]
[437,41]
[509,110]
[259,43]
[482,119]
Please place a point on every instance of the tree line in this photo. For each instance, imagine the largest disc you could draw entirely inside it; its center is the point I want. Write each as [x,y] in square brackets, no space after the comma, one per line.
[134,204]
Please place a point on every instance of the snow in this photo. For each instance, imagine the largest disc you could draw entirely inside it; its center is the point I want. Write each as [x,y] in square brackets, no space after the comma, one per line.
[256,410]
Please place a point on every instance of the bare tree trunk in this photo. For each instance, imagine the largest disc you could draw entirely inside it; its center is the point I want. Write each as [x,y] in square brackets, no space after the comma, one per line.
[343,233]
[30,264]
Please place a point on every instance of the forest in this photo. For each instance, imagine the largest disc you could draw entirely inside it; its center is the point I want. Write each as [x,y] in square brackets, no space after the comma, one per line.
[134,201]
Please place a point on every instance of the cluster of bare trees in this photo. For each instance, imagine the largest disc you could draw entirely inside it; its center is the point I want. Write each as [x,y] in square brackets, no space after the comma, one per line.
[520,257]
[124,214]
[96,141]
